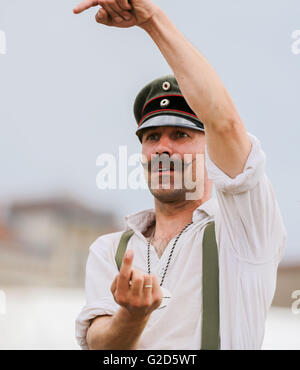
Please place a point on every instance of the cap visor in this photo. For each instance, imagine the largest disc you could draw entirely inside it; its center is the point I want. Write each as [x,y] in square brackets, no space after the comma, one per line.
[168,120]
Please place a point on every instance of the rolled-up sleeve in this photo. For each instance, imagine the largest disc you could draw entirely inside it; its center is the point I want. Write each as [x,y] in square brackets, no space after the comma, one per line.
[100,273]
[249,212]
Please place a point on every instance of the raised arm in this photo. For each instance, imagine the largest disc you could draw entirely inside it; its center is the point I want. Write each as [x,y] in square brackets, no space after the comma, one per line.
[227,141]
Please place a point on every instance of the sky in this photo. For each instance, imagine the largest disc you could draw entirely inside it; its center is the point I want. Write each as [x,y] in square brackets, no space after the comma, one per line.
[67,87]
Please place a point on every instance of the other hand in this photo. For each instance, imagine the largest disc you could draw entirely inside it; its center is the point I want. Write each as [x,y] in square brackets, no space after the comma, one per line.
[121,13]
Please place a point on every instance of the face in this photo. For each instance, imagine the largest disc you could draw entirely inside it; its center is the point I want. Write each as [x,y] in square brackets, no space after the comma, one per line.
[179,174]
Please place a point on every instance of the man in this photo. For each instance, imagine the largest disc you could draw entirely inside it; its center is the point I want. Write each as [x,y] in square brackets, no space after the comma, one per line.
[129,309]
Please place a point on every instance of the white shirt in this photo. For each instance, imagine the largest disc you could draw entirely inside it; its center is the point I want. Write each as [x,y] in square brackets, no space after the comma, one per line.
[251,238]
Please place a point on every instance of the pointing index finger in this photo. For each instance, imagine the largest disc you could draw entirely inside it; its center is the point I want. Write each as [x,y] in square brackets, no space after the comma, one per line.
[84,5]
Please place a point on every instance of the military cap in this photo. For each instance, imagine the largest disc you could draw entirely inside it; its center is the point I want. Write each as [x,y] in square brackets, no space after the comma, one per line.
[161,103]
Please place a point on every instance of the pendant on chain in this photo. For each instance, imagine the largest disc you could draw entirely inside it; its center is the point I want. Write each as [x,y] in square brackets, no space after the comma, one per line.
[165,298]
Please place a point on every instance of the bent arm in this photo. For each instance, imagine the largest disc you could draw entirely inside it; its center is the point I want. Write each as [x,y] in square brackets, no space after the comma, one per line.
[226,137]
[117,332]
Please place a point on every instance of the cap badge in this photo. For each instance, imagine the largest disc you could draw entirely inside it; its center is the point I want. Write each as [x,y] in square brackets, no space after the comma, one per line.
[164,102]
[166,85]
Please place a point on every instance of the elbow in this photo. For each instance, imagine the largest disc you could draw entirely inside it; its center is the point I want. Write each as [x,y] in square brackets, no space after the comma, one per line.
[228,126]
[96,336]
[92,340]
[94,344]
[223,120]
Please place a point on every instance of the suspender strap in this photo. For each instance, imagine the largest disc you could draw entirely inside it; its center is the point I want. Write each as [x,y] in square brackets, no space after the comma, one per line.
[210,293]
[210,284]
[122,247]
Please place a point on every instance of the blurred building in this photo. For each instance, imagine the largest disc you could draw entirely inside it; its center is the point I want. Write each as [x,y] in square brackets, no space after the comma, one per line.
[46,242]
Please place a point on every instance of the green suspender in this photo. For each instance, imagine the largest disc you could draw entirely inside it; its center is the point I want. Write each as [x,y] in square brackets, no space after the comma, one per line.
[122,247]
[210,290]
[210,285]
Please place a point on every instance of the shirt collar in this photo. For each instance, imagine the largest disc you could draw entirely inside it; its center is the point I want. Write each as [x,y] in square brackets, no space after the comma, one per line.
[140,221]
[209,207]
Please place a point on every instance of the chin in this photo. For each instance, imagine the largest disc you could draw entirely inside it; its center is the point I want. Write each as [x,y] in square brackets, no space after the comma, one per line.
[168,195]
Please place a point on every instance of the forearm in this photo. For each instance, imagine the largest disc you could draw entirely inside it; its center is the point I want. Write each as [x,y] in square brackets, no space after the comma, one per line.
[199,83]
[117,332]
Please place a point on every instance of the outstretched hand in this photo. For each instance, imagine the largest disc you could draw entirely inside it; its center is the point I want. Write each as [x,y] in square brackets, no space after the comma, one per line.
[120,13]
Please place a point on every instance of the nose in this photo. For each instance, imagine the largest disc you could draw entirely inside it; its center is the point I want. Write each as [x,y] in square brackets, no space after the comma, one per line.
[164,146]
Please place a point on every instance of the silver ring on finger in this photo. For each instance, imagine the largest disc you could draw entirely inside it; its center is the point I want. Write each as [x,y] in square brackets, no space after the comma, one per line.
[148,286]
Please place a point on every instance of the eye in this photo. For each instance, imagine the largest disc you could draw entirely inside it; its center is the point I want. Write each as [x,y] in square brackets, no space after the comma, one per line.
[153,136]
[181,134]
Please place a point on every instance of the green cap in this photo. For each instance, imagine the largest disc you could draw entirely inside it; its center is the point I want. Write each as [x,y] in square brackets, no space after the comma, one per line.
[161,103]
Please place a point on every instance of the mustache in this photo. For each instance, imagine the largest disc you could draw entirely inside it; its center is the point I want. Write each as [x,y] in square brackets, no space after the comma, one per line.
[166,162]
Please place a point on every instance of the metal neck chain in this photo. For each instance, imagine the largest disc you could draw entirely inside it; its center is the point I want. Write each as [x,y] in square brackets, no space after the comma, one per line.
[171,252]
